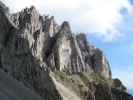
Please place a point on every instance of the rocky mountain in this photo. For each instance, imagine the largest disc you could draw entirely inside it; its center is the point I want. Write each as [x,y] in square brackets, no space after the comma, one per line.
[130,91]
[50,60]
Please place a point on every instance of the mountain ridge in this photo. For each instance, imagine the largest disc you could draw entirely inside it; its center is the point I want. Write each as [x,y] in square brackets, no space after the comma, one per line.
[44,56]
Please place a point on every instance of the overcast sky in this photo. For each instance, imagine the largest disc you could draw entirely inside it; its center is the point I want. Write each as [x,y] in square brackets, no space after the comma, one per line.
[107,23]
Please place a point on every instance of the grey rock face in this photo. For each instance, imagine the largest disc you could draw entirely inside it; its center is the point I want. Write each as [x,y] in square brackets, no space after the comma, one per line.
[104,92]
[32,45]
[49,25]
[65,50]
[3,8]
[5,25]
[19,54]
[100,64]
[118,85]
[56,46]
[11,89]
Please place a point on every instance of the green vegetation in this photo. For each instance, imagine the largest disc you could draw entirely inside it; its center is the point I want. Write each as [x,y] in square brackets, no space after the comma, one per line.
[79,82]
[83,90]
[62,76]
[86,77]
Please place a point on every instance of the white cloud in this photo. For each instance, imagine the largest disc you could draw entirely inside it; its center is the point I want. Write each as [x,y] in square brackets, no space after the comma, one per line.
[110,35]
[89,16]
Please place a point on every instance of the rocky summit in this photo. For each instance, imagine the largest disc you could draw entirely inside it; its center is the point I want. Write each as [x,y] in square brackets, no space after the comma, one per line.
[42,60]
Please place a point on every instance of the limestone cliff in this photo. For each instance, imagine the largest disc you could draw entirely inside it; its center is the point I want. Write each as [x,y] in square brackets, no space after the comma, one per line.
[51,60]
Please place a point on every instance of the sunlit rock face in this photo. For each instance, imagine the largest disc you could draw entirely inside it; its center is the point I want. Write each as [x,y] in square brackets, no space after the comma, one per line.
[55,46]
[100,63]
[34,46]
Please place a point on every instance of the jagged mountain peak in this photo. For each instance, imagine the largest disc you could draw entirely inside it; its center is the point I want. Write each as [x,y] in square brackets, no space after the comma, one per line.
[65,27]
[82,36]
[52,61]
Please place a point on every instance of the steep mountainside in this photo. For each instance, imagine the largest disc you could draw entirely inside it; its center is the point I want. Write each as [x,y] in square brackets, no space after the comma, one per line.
[10,89]
[52,61]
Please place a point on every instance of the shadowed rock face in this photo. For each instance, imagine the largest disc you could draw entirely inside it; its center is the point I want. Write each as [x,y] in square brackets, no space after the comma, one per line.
[32,46]
[10,89]
[104,92]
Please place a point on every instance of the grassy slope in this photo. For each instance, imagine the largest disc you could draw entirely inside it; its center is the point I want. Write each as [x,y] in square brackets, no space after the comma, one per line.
[79,82]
